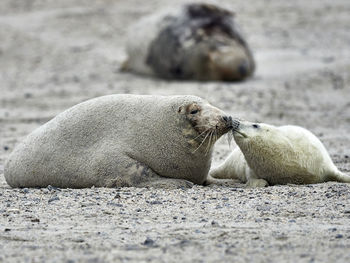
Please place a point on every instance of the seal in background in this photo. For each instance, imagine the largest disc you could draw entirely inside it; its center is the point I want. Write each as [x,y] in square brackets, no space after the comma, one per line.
[194,41]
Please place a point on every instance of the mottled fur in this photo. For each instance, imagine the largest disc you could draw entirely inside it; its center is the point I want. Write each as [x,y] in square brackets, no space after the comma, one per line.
[278,155]
[121,140]
[196,41]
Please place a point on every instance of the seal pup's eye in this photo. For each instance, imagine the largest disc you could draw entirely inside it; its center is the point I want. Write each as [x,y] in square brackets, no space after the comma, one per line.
[256,126]
[194,111]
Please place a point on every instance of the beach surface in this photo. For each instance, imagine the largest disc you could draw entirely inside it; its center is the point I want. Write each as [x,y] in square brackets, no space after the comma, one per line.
[55,54]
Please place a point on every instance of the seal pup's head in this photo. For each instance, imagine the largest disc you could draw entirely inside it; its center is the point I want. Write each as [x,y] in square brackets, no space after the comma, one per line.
[256,136]
[265,147]
[205,123]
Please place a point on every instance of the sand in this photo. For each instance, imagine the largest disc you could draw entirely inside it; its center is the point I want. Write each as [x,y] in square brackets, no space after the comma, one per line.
[54,54]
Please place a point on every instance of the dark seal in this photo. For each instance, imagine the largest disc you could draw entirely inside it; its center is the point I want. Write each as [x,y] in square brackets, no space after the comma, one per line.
[202,43]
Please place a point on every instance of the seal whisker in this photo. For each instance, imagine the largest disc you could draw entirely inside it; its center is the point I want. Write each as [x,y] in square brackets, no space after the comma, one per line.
[207,149]
[229,138]
[200,134]
[206,136]
[216,137]
[205,126]
[214,140]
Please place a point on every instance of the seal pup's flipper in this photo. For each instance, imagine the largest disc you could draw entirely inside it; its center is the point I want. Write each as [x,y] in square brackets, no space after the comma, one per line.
[338,176]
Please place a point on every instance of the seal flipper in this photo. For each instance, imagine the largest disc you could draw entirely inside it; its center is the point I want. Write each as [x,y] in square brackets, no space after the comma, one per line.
[338,176]
[132,173]
[254,181]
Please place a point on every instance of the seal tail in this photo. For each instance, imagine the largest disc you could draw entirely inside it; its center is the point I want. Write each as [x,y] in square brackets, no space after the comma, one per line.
[339,177]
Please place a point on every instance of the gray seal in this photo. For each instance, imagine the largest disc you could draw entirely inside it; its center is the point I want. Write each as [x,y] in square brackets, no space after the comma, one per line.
[121,140]
[272,155]
[194,41]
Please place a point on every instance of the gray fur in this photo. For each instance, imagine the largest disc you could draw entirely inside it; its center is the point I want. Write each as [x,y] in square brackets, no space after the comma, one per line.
[111,141]
[201,42]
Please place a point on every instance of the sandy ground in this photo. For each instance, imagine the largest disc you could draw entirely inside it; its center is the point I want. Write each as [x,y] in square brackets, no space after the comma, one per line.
[54,54]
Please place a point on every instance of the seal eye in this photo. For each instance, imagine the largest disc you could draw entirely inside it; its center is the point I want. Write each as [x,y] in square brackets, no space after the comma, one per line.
[256,126]
[194,111]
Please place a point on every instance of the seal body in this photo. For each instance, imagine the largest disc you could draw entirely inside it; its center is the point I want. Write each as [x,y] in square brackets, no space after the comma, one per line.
[194,41]
[278,155]
[120,140]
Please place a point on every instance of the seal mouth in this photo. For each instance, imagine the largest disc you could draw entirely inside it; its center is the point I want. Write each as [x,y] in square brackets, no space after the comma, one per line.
[235,128]
[230,124]
[240,133]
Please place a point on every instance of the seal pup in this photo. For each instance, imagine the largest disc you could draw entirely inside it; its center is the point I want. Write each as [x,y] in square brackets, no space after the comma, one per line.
[193,41]
[121,140]
[267,154]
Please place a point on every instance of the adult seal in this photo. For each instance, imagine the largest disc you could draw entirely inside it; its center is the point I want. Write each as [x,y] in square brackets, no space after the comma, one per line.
[277,155]
[194,41]
[121,140]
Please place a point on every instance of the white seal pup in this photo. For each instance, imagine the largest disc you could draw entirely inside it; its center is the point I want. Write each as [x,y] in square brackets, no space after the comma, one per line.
[277,155]
[193,41]
[121,140]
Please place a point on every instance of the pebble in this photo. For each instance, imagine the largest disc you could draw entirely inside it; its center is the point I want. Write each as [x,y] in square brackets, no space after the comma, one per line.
[114,204]
[214,223]
[55,198]
[156,202]
[148,242]
[25,190]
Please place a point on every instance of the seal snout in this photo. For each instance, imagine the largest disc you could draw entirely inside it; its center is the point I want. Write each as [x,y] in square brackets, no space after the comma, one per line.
[237,128]
[228,121]
[244,69]
[235,124]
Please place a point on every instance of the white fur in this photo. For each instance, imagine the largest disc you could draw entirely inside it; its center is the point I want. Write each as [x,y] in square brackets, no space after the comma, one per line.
[278,155]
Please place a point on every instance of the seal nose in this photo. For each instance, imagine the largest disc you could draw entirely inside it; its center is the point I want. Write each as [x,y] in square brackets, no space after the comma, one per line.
[228,121]
[244,69]
[235,124]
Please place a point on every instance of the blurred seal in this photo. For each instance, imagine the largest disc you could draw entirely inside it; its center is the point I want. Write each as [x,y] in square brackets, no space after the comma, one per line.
[277,155]
[194,41]
[121,140]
